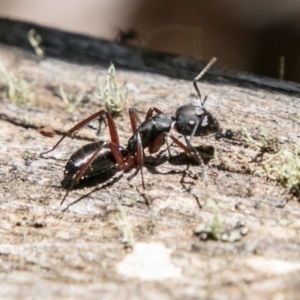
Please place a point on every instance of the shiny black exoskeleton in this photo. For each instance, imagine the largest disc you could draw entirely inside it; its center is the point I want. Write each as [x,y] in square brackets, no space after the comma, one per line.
[104,161]
[192,118]
[150,132]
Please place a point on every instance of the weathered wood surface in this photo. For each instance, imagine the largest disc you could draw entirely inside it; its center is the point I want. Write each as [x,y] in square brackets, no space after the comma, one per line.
[79,253]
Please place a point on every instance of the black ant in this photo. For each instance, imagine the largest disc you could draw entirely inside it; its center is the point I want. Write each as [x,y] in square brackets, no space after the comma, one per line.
[95,159]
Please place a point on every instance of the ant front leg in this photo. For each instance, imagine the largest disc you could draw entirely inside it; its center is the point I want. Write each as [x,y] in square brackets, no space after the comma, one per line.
[190,151]
[140,156]
[133,119]
[111,124]
[135,158]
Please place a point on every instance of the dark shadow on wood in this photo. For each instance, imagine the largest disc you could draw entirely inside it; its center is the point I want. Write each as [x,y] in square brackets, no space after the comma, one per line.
[82,49]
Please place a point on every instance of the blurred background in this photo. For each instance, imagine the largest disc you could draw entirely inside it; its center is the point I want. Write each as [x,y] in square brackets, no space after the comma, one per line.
[251,36]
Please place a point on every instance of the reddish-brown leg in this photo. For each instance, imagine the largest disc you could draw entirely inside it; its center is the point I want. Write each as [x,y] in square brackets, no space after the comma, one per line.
[160,139]
[133,119]
[151,111]
[111,124]
[157,143]
[190,151]
[140,156]
[137,160]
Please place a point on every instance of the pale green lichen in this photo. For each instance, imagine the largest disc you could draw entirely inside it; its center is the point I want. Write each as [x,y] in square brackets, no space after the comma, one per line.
[124,224]
[264,145]
[35,41]
[70,103]
[216,230]
[284,167]
[113,96]
[18,90]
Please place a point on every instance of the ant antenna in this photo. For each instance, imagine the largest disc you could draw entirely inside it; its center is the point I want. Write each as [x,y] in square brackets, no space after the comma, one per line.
[211,62]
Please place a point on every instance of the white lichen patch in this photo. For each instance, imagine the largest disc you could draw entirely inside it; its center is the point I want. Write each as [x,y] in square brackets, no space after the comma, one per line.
[148,262]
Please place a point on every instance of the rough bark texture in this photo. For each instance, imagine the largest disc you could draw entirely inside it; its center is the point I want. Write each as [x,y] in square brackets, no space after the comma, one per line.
[79,253]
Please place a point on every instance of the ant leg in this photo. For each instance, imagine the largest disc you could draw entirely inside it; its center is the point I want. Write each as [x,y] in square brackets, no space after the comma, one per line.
[168,148]
[151,112]
[140,156]
[139,151]
[101,121]
[138,159]
[188,142]
[140,163]
[111,124]
[161,138]
[190,151]
[65,196]
[157,143]
[133,119]
[197,157]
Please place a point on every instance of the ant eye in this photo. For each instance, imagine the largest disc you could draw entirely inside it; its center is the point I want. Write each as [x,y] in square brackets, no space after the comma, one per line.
[192,123]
